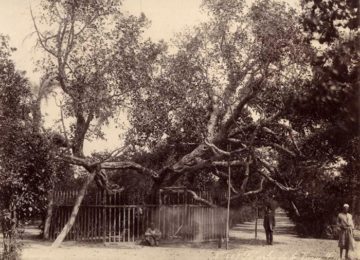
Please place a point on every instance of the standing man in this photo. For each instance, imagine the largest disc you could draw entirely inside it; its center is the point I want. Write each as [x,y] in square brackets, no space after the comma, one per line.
[269,224]
[346,225]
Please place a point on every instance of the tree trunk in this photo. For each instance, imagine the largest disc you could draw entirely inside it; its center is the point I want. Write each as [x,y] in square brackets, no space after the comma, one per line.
[49,214]
[9,230]
[75,210]
[36,112]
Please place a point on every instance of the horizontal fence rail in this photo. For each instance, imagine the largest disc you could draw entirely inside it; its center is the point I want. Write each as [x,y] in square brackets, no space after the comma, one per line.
[167,197]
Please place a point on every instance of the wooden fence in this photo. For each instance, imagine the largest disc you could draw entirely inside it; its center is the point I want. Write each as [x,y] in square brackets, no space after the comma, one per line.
[108,218]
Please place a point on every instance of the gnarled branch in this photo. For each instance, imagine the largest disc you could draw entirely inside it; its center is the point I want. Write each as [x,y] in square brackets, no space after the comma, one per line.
[103,182]
[110,165]
[40,36]
[129,165]
[216,150]
[272,180]
[283,149]
[248,193]
[199,199]
[252,192]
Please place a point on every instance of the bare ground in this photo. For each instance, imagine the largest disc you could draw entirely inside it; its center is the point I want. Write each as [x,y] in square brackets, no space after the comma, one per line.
[243,245]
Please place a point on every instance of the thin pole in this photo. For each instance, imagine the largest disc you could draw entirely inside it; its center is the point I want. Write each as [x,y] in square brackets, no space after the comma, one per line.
[228,204]
[256,220]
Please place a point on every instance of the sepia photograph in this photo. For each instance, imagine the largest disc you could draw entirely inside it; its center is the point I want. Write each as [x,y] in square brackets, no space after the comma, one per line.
[179,129]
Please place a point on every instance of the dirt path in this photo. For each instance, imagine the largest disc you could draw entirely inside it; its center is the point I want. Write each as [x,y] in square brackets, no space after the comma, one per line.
[287,246]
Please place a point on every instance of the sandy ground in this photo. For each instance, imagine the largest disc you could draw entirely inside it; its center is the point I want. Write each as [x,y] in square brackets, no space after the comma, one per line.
[243,245]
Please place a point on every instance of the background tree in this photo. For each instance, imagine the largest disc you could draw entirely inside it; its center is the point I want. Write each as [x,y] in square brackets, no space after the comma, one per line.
[97,57]
[328,113]
[27,157]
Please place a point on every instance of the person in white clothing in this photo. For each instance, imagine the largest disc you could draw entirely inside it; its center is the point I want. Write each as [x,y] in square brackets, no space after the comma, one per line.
[346,234]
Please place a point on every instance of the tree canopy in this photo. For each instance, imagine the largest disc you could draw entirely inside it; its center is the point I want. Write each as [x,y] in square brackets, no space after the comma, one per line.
[237,91]
[264,90]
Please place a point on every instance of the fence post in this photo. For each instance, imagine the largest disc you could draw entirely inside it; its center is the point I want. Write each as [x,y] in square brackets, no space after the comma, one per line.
[256,220]
[159,208]
[228,203]
[185,208]
[104,216]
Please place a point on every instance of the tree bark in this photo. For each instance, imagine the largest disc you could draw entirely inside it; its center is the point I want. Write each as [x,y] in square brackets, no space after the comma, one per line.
[9,230]
[36,113]
[49,214]
[75,210]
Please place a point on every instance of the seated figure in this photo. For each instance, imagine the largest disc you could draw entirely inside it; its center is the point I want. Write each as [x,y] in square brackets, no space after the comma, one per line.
[152,235]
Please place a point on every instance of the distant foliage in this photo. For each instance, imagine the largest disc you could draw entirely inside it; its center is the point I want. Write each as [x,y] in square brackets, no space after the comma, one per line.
[27,158]
[328,112]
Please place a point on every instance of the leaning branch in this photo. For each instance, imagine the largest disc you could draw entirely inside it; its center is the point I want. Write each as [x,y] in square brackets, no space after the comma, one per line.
[283,149]
[78,161]
[199,199]
[114,154]
[102,181]
[225,176]
[225,163]
[110,165]
[199,164]
[275,182]
[129,165]
[295,143]
[260,189]
[192,193]
[216,150]
[295,209]
[248,193]
[247,174]
[237,111]
[40,36]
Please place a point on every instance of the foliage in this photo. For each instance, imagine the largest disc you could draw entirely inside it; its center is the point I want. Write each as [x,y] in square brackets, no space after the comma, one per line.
[333,93]
[97,57]
[242,57]
[95,81]
[27,158]
[327,114]
[221,74]
[243,214]
[242,89]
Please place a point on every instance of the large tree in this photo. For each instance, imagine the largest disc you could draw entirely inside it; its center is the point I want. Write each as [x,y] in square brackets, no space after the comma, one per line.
[222,99]
[228,85]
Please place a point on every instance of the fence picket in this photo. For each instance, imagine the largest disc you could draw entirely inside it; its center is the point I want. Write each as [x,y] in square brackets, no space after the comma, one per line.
[128,230]
[104,216]
[119,224]
[114,224]
[83,228]
[123,224]
[109,225]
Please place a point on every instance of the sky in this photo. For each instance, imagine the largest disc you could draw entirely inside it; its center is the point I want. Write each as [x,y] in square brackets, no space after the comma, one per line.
[167,18]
